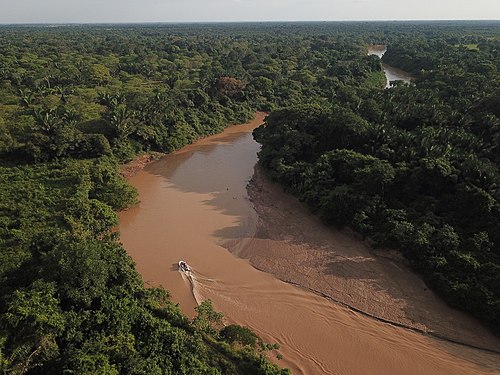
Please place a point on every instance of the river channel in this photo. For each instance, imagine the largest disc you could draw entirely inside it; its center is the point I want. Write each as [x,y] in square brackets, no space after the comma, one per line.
[391,73]
[194,206]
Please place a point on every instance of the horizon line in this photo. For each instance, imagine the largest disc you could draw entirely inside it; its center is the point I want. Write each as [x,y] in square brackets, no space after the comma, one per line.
[238,21]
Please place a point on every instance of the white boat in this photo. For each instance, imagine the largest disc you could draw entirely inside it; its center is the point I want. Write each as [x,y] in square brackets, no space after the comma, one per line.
[184,267]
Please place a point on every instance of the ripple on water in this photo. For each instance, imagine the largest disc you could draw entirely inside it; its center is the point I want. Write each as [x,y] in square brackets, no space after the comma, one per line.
[186,215]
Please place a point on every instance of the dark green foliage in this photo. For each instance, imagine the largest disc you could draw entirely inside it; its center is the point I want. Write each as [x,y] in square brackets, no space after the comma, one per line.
[161,88]
[71,300]
[235,334]
[72,107]
[415,167]
[208,320]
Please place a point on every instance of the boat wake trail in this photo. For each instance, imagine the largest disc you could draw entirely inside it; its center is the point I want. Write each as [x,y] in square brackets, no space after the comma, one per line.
[196,282]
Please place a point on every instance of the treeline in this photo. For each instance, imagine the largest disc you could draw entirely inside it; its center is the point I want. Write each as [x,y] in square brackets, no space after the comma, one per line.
[87,92]
[415,167]
[468,55]
[76,101]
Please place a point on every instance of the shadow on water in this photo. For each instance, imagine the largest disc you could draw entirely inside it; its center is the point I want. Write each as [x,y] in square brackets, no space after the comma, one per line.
[174,267]
[221,166]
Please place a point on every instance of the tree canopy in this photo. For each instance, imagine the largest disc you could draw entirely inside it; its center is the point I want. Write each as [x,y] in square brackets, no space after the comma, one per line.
[414,167]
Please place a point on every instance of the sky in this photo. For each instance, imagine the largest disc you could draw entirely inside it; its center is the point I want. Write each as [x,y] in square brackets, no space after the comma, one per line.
[103,11]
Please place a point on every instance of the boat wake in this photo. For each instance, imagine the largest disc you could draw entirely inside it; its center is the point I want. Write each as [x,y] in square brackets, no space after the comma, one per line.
[197,282]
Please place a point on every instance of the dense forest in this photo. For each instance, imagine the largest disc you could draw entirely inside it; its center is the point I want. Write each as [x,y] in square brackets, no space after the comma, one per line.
[414,167]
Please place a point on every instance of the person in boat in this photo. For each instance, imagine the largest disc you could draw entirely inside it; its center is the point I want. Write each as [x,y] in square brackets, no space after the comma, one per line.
[183,266]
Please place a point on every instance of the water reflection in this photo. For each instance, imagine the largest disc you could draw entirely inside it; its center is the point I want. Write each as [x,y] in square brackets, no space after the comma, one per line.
[391,73]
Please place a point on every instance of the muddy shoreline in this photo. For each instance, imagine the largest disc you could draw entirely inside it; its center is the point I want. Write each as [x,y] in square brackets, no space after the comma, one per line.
[195,205]
[292,244]
[130,169]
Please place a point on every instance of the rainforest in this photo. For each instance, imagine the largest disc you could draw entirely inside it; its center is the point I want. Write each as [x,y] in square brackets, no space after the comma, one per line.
[414,167]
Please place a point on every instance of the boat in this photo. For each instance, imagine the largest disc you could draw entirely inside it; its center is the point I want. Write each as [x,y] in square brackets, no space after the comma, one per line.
[184,267]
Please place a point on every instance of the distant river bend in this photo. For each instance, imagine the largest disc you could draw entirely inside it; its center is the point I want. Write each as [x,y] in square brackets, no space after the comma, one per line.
[391,73]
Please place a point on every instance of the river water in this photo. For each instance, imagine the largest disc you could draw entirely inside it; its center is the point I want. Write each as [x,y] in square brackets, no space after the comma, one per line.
[392,74]
[194,206]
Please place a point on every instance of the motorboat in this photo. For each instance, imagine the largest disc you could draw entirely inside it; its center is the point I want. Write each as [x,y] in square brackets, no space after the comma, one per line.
[184,267]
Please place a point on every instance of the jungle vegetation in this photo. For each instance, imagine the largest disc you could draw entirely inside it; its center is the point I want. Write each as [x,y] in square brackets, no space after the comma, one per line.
[414,167]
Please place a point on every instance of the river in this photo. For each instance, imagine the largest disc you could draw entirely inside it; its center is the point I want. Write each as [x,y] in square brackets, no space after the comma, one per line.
[194,206]
[391,73]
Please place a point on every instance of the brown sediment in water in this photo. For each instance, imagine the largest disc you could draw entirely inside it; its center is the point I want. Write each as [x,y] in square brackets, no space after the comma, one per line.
[377,49]
[391,73]
[395,74]
[194,204]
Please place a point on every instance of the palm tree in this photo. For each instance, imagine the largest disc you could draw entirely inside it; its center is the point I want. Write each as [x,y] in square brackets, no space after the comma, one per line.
[47,120]
[122,120]
[27,97]
[63,92]
[110,100]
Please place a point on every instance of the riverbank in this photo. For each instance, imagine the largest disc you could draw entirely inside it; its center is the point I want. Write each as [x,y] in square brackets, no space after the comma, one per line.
[296,247]
[391,73]
[130,169]
[194,205]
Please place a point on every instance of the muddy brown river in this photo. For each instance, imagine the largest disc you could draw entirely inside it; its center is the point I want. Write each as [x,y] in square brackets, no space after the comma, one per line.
[391,73]
[194,206]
